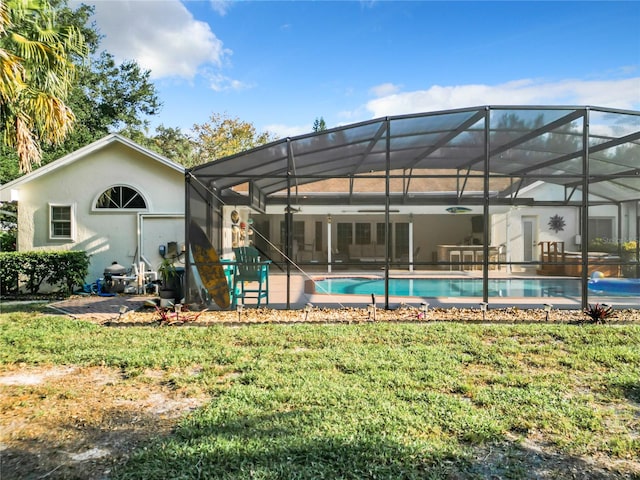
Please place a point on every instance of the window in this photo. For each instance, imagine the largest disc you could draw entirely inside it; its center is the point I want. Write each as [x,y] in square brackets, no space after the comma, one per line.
[601,228]
[363,233]
[345,236]
[380,233]
[297,234]
[402,239]
[318,237]
[61,222]
[120,197]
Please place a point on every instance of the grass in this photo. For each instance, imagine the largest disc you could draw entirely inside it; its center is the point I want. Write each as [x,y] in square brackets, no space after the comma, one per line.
[391,401]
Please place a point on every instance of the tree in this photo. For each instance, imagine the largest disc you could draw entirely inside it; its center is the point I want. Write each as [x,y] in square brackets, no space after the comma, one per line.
[107,96]
[37,69]
[170,142]
[111,97]
[319,125]
[224,136]
[104,97]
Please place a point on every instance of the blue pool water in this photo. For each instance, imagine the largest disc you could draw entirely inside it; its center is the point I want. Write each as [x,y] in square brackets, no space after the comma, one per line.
[615,286]
[451,287]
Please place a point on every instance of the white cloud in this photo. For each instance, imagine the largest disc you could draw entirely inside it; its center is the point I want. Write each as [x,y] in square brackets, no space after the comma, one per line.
[623,93]
[221,83]
[221,7]
[161,35]
[384,89]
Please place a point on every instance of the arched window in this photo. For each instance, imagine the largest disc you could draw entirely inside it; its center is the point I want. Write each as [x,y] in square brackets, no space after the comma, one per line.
[119,197]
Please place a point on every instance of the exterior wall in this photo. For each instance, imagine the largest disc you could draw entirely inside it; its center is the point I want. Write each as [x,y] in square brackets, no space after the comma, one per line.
[429,231]
[107,236]
[507,230]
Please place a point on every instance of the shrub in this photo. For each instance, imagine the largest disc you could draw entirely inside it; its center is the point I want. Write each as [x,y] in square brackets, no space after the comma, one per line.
[71,270]
[8,241]
[30,270]
[37,266]
[628,252]
[10,268]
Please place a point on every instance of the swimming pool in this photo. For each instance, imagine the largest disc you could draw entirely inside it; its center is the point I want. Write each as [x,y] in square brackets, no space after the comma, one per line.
[451,287]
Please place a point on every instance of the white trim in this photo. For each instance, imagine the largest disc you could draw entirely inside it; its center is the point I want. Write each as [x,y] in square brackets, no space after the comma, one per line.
[94,209]
[140,232]
[72,221]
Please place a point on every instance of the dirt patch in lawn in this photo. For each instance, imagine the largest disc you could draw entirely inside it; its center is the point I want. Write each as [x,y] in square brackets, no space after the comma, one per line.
[78,422]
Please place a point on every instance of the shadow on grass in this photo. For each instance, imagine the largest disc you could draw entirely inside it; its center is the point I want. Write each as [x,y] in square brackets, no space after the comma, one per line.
[280,446]
[32,306]
[78,451]
[631,390]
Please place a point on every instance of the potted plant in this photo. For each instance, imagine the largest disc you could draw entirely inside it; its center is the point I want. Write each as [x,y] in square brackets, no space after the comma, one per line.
[167,272]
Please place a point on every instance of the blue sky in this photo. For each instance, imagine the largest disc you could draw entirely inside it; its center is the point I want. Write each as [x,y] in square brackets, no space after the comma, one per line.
[280,65]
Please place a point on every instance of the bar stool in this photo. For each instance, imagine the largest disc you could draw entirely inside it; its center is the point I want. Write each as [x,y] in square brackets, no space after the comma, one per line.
[467,257]
[455,256]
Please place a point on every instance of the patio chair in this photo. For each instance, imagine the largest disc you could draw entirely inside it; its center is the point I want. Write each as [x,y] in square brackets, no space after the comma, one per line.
[250,270]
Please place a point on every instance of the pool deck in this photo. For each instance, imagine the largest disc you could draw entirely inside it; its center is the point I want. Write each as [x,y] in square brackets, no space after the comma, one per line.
[107,308]
[299,296]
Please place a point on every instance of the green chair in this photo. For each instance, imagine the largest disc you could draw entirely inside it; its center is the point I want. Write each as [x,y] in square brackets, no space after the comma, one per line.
[250,270]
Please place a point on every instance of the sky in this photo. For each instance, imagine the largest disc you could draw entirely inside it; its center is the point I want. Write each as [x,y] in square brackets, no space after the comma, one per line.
[282,65]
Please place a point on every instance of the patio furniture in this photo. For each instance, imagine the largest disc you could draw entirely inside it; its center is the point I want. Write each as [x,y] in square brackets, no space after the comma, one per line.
[468,257]
[455,257]
[250,269]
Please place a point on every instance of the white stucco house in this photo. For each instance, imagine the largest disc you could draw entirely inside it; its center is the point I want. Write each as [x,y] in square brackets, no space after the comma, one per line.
[113,199]
[460,192]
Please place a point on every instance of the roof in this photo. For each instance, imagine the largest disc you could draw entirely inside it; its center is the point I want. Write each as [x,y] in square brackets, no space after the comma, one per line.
[84,152]
[518,144]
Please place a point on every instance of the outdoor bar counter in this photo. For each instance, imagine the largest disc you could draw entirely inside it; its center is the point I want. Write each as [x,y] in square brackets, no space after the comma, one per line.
[465,255]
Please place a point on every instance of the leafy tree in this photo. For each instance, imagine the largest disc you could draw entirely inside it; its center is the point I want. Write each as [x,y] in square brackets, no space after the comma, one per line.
[224,136]
[104,97]
[319,125]
[8,226]
[38,57]
[9,168]
[113,97]
[107,97]
[168,141]
[174,144]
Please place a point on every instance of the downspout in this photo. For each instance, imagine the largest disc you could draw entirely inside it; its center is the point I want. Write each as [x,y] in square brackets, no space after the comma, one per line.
[138,257]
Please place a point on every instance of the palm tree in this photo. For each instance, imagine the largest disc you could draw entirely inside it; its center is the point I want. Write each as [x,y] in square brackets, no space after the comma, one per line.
[36,74]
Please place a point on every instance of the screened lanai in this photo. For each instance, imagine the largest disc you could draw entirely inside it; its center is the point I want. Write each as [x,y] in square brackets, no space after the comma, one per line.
[486,204]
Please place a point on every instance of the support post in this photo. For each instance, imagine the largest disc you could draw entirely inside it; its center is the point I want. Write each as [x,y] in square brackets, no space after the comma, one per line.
[585,209]
[387,219]
[329,246]
[485,209]
[411,242]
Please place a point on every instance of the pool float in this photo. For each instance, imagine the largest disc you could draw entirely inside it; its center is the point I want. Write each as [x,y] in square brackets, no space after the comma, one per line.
[614,286]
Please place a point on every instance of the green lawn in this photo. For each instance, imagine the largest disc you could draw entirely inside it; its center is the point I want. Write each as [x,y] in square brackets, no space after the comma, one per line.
[388,401]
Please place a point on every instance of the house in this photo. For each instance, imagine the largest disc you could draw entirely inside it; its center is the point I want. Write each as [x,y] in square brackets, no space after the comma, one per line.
[113,199]
[479,191]
[471,192]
